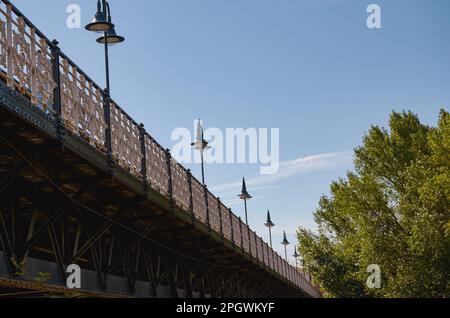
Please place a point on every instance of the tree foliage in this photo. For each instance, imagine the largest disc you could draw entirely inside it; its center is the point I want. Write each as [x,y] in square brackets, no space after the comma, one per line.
[393,211]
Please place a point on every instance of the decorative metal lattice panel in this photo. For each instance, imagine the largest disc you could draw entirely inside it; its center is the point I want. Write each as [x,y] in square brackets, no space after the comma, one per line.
[214,215]
[226,223]
[126,145]
[259,248]
[25,59]
[180,180]
[245,239]
[198,195]
[278,262]
[236,230]
[82,105]
[253,243]
[265,254]
[271,260]
[288,272]
[157,171]
[270,257]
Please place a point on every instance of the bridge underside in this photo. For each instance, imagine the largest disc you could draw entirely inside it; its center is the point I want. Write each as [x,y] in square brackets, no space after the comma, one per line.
[61,203]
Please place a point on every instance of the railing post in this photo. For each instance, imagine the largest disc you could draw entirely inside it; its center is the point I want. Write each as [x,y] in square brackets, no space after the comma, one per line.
[108,142]
[57,101]
[249,242]
[208,220]
[219,208]
[265,259]
[286,270]
[170,185]
[256,247]
[10,49]
[232,226]
[291,274]
[285,275]
[275,262]
[32,73]
[242,237]
[261,243]
[144,159]
[191,196]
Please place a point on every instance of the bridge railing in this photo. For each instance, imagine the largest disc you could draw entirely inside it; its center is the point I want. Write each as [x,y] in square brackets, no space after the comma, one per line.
[26,58]
[34,66]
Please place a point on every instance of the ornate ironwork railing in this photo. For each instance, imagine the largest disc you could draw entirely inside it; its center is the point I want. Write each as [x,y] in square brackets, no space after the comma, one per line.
[34,66]
[226,222]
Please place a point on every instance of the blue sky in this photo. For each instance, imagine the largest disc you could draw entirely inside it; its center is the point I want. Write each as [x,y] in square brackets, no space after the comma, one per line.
[309,67]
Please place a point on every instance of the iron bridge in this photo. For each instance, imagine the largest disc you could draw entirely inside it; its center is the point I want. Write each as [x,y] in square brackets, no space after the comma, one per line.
[82,183]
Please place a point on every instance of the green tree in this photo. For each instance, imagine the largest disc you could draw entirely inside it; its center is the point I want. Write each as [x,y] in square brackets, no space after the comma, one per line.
[393,211]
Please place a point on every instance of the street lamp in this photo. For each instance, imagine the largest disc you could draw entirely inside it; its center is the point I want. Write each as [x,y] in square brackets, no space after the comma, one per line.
[102,23]
[245,196]
[296,256]
[285,243]
[201,145]
[269,224]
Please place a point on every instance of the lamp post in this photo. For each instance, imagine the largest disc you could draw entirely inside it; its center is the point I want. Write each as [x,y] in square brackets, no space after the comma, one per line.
[269,224]
[285,243]
[201,145]
[296,256]
[102,23]
[245,196]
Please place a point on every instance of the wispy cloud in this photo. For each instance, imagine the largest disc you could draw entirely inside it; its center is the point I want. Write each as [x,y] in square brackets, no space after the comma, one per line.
[292,168]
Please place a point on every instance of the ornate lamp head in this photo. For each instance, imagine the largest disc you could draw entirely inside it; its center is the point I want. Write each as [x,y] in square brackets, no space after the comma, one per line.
[244,194]
[285,240]
[100,23]
[269,222]
[111,37]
